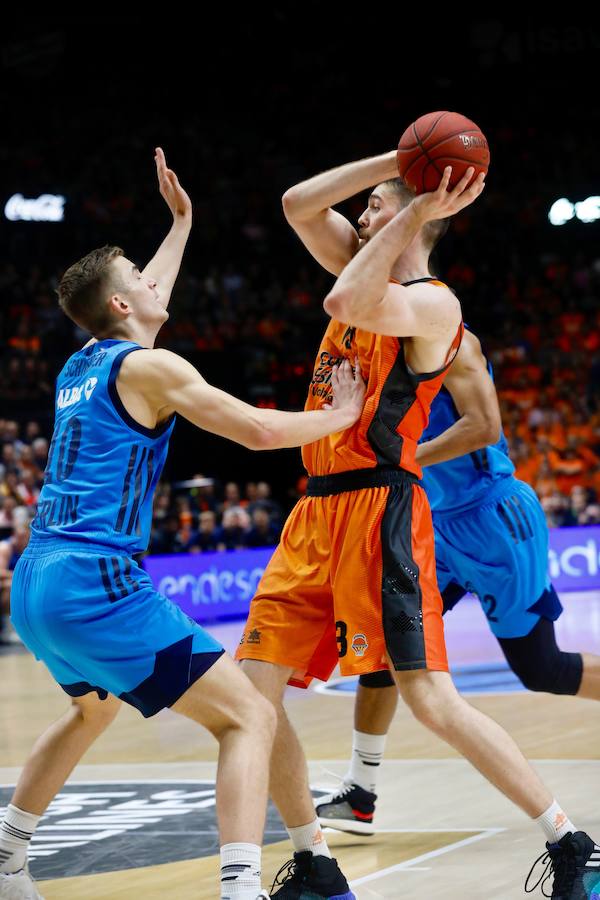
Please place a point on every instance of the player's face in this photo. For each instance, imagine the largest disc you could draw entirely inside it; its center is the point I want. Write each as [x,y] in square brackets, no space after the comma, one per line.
[381,208]
[140,292]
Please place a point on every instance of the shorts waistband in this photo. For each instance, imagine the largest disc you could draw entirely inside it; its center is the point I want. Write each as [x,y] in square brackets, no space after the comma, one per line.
[357,480]
[493,493]
[44,544]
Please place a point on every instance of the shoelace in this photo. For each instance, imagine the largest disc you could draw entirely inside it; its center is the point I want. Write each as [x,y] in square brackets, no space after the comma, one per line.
[562,868]
[289,870]
[344,788]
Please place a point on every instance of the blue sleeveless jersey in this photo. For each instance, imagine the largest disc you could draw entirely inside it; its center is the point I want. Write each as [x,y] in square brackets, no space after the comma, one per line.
[465,481]
[103,467]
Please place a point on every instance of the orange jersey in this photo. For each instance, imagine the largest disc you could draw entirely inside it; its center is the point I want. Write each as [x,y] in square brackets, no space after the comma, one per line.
[397,403]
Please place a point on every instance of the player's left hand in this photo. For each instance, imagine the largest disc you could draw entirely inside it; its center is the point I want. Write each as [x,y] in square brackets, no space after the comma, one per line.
[175,197]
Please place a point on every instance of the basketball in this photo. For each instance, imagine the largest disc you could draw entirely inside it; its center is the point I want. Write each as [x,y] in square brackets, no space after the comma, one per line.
[437,140]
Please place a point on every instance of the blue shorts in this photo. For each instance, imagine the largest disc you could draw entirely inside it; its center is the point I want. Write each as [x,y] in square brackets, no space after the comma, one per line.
[94,618]
[498,551]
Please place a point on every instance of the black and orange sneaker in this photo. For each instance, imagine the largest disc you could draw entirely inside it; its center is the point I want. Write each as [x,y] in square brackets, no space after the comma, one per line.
[350,809]
[575,863]
[308,877]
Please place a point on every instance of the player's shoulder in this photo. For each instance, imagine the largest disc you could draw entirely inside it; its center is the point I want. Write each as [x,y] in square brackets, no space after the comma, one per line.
[470,345]
[435,304]
[149,369]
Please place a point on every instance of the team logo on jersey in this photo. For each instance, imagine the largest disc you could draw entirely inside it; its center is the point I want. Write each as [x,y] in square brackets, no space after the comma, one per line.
[349,337]
[360,644]
[70,396]
[89,387]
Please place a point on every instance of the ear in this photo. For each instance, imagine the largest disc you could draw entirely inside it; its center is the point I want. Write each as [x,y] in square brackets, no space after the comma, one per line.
[119,305]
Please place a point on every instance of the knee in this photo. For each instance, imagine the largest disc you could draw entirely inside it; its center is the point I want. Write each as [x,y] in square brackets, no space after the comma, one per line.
[435,705]
[264,717]
[558,673]
[95,714]
[430,714]
[252,713]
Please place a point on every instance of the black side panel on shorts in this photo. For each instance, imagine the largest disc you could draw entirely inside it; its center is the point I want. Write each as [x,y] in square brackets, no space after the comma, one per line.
[80,688]
[401,598]
[175,669]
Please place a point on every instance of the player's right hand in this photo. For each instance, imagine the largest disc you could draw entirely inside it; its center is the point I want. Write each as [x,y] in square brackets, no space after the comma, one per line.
[348,388]
[442,203]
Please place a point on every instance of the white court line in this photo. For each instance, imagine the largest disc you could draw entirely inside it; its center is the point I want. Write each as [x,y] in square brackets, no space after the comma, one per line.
[135,781]
[459,760]
[408,864]
[419,830]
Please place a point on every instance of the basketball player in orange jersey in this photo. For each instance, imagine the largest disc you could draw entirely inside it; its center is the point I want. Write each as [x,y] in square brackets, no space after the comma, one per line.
[354,574]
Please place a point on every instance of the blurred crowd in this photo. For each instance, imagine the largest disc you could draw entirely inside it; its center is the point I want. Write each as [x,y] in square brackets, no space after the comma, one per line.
[247,307]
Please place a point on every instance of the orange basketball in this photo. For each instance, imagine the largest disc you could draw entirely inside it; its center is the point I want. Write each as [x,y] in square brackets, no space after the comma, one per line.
[437,140]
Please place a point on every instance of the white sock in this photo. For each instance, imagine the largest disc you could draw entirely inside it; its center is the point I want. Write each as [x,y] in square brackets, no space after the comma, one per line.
[15,833]
[240,871]
[309,837]
[555,823]
[367,754]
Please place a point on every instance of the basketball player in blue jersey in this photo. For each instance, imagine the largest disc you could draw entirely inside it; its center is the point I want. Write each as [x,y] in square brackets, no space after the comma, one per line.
[491,538]
[79,600]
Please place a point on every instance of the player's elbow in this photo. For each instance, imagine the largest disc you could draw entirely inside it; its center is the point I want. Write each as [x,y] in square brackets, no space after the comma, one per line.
[291,203]
[338,305]
[488,431]
[264,437]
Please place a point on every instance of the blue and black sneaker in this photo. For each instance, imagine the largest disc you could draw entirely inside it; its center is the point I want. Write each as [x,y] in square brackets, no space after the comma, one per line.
[308,877]
[575,863]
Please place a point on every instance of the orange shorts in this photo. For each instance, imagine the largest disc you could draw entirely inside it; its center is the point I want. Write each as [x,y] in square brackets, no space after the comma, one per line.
[352,581]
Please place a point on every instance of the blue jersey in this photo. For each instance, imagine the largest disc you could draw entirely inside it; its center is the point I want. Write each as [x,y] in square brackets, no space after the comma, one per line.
[463,482]
[103,467]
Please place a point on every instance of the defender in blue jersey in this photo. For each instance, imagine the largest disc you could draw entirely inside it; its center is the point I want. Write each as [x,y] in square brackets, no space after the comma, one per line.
[491,539]
[81,602]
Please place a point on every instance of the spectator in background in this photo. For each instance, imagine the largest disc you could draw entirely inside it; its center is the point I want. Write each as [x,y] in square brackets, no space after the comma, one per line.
[264,532]
[234,530]
[556,509]
[208,536]
[10,551]
[165,536]
[265,501]
[231,497]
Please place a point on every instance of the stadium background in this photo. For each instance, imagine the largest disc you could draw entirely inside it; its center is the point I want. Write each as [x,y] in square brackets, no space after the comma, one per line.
[244,107]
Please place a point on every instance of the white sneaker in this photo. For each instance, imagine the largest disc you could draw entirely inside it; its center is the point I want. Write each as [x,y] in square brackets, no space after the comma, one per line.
[18,886]
[263,896]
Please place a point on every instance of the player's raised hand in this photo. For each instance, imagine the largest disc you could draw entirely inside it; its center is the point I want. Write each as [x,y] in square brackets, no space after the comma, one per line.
[174,195]
[348,388]
[442,203]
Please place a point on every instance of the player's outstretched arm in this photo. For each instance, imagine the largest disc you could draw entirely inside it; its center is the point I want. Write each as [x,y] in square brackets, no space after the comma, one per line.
[363,296]
[164,265]
[167,383]
[327,234]
[475,398]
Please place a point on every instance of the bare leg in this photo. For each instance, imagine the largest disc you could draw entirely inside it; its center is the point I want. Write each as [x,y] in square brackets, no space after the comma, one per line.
[436,703]
[289,775]
[56,753]
[590,681]
[374,709]
[243,722]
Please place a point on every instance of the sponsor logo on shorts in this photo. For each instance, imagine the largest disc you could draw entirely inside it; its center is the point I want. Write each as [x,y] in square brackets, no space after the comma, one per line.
[360,644]
[254,637]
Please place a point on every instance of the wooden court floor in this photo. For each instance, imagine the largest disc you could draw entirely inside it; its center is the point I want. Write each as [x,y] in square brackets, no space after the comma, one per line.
[443,831]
